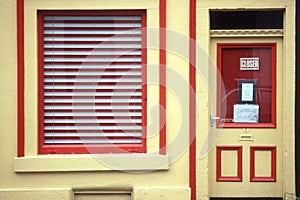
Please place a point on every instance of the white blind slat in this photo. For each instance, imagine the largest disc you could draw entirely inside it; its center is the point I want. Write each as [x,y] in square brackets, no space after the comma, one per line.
[115,25]
[93,80]
[94,53]
[88,39]
[92,107]
[82,87]
[93,46]
[92,128]
[92,121]
[92,114]
[93,141]
[80,73]
[129,94]
[96,32]
[116,59]
[92,100]
[98,66]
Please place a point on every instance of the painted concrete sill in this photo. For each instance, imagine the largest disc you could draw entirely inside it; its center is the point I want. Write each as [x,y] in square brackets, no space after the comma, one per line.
[101,162]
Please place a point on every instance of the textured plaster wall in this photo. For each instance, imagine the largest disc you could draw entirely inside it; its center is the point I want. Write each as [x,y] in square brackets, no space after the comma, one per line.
[173,181]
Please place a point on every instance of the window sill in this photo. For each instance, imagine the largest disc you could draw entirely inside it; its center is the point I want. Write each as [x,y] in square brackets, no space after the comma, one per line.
[101,162]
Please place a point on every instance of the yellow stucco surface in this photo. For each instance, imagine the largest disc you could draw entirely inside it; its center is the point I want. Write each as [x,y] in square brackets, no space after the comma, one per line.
[146,176]
[285,101]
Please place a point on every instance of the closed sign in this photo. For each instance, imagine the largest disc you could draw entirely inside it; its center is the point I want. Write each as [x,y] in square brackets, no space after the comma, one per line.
[249,63]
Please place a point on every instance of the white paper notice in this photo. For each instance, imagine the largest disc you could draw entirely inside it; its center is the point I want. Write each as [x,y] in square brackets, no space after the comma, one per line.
[244,113]
[247,91]
[249,63]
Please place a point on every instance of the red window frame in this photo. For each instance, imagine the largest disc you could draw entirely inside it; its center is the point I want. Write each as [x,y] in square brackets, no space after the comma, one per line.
[272,47]
[88,148]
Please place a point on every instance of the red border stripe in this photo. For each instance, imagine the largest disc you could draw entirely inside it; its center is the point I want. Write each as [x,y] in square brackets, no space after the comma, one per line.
[192,109]
[20,74]
[162,76]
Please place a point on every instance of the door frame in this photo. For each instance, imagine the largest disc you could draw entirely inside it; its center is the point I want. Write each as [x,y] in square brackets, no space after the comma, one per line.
[297,103]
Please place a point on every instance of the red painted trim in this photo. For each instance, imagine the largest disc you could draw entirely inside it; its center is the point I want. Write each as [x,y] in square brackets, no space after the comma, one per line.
[274,78]
[272,177]
[86,148]
[162,77]
[90,149]
[192,97]
[245,125]
[221,46]
[92,12]
[20,63]
[40,84]
[239,176]
[144,82]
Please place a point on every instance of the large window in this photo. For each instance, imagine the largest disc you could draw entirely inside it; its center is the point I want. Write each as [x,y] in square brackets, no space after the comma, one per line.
[247,85]
[92,81]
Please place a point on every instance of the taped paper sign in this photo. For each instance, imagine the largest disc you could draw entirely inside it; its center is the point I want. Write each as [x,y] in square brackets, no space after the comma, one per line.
[249,63]
[244,113]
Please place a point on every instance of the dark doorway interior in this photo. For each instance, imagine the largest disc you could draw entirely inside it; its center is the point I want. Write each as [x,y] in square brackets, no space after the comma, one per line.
[246,20]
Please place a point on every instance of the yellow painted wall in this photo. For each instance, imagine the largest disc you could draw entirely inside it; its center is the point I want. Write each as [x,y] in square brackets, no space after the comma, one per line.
[287,87]
[58,176]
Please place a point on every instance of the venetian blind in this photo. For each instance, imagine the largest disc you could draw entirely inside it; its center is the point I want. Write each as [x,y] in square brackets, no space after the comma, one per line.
[92,79]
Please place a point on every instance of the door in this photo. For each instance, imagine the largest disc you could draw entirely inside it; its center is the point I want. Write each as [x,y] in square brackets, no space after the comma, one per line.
[247,82]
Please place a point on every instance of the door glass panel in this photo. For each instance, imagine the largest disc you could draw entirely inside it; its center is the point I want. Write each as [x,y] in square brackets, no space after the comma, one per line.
[246,91]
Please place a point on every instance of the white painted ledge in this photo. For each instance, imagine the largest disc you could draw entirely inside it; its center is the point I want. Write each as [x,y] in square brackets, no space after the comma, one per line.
[101,162]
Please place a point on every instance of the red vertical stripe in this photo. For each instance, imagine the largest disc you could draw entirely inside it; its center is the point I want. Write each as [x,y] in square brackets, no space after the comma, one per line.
[162,76]
[274,55]
[144,82]
[20,74]
[192,110]
[40,82]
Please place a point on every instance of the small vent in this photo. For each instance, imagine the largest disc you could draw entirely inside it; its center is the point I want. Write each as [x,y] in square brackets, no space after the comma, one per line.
[102,195]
